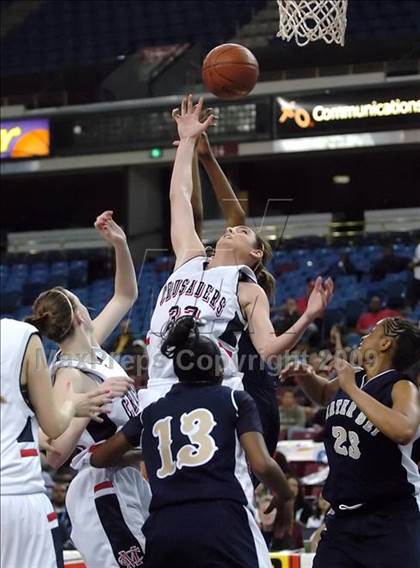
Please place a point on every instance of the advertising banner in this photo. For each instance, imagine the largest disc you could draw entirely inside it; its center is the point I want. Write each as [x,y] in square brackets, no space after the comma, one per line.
[345,112]
[25,138]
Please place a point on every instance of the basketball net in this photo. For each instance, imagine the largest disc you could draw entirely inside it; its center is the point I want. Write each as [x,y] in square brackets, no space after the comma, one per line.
[311,20]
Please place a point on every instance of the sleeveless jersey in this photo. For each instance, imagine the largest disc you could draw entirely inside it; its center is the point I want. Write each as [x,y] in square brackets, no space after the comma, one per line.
[209,295]
[105,367]
[366,467]
[20,463]
[190,443]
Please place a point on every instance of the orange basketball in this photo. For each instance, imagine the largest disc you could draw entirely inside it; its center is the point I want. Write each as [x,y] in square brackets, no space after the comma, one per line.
[33,143]
[230,71]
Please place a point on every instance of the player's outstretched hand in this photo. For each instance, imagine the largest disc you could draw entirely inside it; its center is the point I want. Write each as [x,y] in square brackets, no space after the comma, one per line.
[118,386]
[108,228]
[90,404]
[320,297]
[346,374]
[188,118]
[296,369]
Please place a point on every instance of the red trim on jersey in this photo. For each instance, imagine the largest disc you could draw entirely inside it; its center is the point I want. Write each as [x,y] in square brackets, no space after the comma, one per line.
[103,485]
[147,340]
[93,448]
[52,517]
[227,350]
[29,453]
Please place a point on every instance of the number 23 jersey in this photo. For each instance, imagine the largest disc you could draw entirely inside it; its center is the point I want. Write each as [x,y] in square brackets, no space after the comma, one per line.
[365,465]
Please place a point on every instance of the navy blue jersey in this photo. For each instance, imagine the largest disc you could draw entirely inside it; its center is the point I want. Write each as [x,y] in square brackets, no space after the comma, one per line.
[190,444]
[366,466]
[260,382]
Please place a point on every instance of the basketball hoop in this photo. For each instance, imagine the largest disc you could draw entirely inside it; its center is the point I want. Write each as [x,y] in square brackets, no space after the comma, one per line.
[311,20]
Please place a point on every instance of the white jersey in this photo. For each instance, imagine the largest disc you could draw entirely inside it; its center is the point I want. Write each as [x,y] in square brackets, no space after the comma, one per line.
[210,295]
[20,463]
[107,506]
[121,410]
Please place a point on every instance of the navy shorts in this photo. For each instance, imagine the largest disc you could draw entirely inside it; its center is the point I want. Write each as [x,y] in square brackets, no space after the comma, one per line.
[385,538]
[204,534]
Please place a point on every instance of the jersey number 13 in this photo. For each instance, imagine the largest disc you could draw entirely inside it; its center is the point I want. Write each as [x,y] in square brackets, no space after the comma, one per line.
[197,425]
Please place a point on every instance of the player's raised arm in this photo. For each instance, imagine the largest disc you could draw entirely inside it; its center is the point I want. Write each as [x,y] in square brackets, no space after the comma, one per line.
[185,241]
[400,422]
[226,197]
[255,304]
[319,389]
[125,291]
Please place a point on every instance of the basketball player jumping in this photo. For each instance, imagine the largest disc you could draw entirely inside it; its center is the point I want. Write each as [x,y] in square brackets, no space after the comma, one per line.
[257,379]
[223,291]
[200,510]
[372,421]
[107,507]
[29,528]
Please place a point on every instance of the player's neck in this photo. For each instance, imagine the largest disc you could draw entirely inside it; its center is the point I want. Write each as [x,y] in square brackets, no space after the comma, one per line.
[377,367]
[79,344]
[225,257]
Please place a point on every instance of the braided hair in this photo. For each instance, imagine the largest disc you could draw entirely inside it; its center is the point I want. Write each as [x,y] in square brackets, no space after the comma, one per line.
[406,336]
[196,358]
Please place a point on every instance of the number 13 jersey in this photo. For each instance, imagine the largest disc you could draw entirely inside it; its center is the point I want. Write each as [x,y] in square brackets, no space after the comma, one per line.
[210,295]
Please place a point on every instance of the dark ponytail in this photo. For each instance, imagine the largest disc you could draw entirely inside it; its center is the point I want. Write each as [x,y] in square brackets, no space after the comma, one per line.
[196,358]
[264,278]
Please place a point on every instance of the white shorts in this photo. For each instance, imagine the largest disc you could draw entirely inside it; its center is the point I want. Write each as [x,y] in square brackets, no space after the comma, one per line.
[157,390]
[107,508]
[26,537]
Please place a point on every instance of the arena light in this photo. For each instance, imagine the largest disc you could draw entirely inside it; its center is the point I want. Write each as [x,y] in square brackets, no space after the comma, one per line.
[341,179]
[156,153]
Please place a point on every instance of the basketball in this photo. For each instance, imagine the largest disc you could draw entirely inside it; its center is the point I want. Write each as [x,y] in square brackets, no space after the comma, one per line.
[230,71]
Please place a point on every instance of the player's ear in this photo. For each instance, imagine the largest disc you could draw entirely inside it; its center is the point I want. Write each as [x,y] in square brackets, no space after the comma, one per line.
[385,344]
[78,317]
[256,254]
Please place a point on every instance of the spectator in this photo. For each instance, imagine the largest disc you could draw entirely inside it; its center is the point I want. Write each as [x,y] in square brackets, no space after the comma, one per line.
[388,264]
[58,499]
[292,539]
[416,274]
[124,341]
[286,316]
[292,415]
[320,509]
[343,267]
[374,314]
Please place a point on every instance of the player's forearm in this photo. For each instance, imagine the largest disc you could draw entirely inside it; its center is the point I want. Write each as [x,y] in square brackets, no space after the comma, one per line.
[287,340]
[273,478]
[125,274]
[226,197]
[111,452]
[197,197]
[319,389]
[66,443]
[181,180]
[395,425]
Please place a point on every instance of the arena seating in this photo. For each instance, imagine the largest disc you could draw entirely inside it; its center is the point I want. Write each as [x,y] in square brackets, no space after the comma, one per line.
[47,38]
[21,282]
